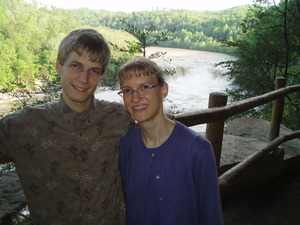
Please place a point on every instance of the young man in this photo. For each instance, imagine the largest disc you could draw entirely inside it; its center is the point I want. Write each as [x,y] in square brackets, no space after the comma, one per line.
[66,152]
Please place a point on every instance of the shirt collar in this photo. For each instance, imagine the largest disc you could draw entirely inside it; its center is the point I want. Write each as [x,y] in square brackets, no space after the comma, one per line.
[70,116]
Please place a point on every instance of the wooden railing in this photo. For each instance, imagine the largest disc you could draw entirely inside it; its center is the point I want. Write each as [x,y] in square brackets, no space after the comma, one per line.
[218,112]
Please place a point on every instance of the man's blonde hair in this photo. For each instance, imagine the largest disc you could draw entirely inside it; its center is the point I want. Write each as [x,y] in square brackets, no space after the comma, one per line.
[87,42]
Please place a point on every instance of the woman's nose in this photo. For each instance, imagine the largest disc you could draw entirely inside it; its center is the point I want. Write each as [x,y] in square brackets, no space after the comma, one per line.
[135,96]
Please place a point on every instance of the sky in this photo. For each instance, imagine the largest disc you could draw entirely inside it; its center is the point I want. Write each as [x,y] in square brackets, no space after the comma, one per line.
[138,5]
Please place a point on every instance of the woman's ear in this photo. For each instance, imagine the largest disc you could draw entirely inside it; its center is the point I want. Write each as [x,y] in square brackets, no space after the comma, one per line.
[164,90]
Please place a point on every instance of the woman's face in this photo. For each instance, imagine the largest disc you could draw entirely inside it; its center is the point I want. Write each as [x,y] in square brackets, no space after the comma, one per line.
[143,99]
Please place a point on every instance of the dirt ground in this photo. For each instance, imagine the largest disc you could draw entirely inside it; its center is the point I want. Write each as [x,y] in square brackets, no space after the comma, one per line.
[274,203]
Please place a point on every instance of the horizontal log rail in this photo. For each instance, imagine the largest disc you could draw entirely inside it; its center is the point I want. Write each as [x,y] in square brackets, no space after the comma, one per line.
[234,179]
[230,174]
[237,177]
[224,112]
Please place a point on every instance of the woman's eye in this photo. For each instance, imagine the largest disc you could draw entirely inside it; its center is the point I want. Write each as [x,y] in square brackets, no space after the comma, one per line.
[126,91]
[144,87]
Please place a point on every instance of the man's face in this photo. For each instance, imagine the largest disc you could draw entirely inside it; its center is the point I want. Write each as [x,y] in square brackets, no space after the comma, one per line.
[79,80]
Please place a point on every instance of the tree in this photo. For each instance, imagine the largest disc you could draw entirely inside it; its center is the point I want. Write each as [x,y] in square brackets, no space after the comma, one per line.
[269,48]
[146,37]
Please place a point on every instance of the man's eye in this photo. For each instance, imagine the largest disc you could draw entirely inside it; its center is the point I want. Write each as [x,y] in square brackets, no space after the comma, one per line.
[126,91]
[95,72]
[75,66]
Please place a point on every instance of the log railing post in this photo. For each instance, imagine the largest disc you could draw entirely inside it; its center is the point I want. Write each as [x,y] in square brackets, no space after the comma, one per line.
[214,130]
[277,110]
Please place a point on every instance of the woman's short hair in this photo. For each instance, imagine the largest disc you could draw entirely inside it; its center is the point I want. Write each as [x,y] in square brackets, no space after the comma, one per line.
[140,66]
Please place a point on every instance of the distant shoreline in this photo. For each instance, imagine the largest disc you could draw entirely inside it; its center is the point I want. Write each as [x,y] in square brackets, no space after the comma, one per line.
[171,51]
[177,51]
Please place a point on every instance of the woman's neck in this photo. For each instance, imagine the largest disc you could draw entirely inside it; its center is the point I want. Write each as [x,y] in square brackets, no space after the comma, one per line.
[155,134]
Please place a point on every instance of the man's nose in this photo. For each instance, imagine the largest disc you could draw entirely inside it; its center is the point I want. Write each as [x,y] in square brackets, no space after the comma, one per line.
[83,76]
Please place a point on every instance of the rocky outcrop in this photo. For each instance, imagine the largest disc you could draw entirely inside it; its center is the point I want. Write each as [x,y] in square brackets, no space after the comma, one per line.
[247,159]
[255,133]
[12,198]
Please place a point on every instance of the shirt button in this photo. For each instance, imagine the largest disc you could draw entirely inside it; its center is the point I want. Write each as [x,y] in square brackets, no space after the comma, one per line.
[87,209]
[81,134]
[157,177]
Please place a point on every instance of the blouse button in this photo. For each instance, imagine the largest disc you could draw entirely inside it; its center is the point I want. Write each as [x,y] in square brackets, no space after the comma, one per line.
[152,155]
[157,177]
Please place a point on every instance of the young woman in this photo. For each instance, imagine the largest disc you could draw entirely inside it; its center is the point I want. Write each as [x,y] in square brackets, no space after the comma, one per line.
[168,171]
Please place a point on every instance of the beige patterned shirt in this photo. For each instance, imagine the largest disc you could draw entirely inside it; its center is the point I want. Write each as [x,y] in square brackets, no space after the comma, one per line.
[67,162]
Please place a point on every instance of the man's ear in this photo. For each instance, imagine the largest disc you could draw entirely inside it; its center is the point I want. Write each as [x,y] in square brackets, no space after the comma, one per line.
[164,90]
[58,67]
[101,77]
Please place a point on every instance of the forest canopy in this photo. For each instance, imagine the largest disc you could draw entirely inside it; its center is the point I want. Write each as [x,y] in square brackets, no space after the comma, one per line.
[30,34]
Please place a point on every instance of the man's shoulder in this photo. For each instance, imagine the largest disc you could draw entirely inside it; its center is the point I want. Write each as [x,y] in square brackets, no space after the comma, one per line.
[30,111]
[114,112]
[102,105]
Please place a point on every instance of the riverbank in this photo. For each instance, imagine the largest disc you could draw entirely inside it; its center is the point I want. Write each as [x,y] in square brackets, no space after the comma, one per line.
[6,103]
[174,52]
[171,51]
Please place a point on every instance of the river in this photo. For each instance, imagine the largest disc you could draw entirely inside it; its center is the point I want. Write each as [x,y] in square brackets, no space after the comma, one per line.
[195,79]
[189,88]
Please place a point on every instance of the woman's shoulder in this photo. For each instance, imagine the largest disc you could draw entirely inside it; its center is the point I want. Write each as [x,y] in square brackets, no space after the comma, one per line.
[184,132]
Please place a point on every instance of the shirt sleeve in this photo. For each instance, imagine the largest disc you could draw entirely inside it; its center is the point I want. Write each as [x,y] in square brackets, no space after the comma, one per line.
[123,149]
[4,139]
[206,182]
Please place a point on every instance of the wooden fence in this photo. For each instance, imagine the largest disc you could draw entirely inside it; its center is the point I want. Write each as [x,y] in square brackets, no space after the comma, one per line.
[215,117]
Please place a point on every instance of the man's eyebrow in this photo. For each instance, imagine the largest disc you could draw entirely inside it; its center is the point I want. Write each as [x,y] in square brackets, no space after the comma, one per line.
[75,61]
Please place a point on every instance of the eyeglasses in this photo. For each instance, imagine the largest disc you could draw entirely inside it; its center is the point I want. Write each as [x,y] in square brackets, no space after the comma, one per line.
[142,90]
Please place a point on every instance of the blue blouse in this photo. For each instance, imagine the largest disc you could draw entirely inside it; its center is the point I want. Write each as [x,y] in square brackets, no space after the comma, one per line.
[173,184]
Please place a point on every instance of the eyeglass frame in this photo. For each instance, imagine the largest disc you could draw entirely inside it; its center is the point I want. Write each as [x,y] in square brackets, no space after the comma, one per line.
[149,86]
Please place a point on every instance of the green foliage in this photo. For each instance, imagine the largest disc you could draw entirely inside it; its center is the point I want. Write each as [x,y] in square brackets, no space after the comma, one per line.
[30,34]
[22,218]
[269,48]
[146,37]
[6,167]
[194,29]
[26,33]
[7,56]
